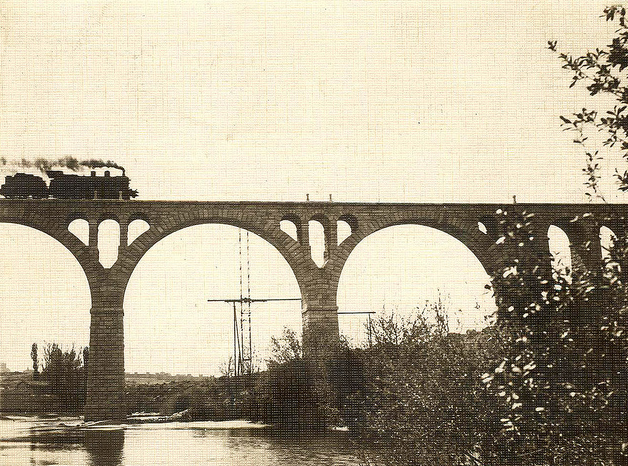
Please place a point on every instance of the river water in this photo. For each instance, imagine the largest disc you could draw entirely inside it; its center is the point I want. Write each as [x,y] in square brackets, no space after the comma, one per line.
[66,441]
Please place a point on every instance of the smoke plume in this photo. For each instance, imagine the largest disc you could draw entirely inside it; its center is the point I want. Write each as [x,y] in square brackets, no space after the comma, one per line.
[93,163]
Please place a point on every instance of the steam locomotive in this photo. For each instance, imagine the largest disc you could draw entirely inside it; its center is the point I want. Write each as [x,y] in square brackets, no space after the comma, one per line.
[64,186]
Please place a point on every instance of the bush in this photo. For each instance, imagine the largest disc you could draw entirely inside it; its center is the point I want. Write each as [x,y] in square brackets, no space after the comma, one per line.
[66,374]
[561,386]
[423,401]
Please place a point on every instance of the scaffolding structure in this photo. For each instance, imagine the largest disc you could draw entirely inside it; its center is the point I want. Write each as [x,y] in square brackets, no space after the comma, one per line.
[242,324]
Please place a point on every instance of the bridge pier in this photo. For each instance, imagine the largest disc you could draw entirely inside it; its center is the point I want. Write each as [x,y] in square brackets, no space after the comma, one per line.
[105,369]
[320,329]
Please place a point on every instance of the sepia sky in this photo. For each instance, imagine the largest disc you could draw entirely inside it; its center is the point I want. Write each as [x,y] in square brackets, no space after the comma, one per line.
[374,101]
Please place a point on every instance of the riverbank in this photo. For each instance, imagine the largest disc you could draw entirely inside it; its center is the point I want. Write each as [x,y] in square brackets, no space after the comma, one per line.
[198,398]
[286,395]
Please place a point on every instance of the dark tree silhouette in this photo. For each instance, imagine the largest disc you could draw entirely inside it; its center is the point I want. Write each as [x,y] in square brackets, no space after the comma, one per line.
[35,359]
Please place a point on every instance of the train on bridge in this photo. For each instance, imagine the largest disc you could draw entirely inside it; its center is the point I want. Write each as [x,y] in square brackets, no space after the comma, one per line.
[67,186]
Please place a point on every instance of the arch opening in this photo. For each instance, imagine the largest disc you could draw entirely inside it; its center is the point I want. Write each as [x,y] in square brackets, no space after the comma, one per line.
[343,230]
[560,249]
[108,242]
[403,269]
[136,228]
[80,229]
[317,242]
[607,240]
[289,228]
[45,295]
[170,326]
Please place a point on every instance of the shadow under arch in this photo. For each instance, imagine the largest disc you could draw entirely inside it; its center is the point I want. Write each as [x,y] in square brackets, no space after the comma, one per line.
[42,278]
[410,263]
[165,302]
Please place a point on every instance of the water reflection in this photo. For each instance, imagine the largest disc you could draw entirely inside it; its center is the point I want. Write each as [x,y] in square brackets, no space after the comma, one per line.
[53,438]
[104,447]
[287,447]
[59,442]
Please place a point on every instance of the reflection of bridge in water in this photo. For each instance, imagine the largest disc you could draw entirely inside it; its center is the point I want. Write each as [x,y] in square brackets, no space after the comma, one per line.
[475,225]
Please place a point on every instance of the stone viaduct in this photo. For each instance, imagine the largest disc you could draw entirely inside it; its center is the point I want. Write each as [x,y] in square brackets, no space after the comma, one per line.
[474,225]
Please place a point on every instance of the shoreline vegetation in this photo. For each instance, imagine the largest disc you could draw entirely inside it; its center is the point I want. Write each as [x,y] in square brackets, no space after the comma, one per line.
[294,392]
[356,390]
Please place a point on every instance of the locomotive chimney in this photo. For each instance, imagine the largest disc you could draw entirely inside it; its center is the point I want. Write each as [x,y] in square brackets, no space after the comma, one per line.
[107,173]
[93,173]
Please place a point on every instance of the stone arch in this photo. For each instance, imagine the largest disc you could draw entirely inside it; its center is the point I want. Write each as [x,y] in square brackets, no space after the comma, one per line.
[558,239]
[275,237]
[327,235]
[109,235]
[134,229]
[584,241]
[138,216]
[607,239]
[77,215]
[209,271]
[79,227]
[351,220]
[61,234]
[396,267]
[70,242]
[108,216]
[45,292]
[467,234]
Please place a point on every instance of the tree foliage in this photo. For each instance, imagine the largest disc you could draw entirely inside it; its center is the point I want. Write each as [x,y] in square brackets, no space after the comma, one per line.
[603,72]
[66,374]
[35,359]
[423,401]
[285,348]
[561,387]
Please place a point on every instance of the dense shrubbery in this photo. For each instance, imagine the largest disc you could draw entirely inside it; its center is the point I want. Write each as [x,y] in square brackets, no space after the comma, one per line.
[562,384]
[302,393]
[422,400]
[415,394]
